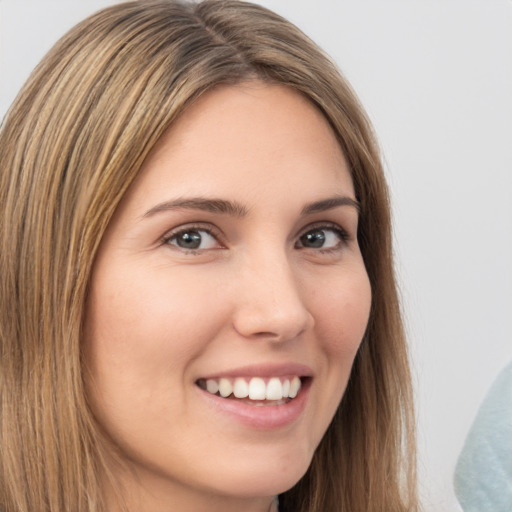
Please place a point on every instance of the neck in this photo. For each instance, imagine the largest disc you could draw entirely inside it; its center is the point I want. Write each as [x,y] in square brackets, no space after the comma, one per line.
[132,498]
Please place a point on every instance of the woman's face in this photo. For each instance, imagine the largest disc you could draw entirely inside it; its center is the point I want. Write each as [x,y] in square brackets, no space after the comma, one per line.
[231,266]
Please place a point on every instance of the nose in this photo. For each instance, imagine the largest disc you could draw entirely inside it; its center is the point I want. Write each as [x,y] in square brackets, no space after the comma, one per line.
[270,302]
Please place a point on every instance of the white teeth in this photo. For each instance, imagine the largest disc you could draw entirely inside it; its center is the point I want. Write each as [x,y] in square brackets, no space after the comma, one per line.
[212,386]
[241,388]
[225,388]
[275,389]
[294,387]
[286,388]
[257,389]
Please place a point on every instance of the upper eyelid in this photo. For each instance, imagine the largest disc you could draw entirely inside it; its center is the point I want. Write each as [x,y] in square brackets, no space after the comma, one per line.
[199,226]
[323,224]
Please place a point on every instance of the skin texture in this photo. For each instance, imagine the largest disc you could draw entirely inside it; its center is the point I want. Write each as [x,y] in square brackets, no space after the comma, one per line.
[254,292]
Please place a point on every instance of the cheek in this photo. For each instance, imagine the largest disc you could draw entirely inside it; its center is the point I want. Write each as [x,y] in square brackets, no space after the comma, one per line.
[342,313]
[142,334]
[151,311]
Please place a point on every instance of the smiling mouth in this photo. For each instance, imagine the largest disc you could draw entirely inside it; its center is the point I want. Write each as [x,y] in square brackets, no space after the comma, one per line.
[254,391]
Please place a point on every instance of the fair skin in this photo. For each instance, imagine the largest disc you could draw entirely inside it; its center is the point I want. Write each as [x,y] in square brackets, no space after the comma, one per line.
[232,258]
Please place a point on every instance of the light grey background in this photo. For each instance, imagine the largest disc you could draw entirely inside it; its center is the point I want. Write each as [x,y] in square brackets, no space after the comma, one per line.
[436,79]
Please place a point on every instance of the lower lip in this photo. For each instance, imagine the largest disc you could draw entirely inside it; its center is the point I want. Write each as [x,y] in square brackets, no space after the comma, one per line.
[265,417]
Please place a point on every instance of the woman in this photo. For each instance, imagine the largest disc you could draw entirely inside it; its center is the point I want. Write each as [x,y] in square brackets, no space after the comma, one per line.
[198,303]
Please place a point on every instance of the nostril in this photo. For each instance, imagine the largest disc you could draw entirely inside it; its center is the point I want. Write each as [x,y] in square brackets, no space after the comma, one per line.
[265,334]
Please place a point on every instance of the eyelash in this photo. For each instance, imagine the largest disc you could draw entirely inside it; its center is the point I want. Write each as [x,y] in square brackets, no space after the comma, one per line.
[326,226]
[193,227]
[322,226]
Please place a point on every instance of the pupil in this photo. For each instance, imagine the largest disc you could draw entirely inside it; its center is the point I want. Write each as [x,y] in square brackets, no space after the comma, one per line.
[314,239]
[190,240]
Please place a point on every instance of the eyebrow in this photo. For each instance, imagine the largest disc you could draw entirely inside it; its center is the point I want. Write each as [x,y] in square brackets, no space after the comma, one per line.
[198,203]
[236,209]
[329,204]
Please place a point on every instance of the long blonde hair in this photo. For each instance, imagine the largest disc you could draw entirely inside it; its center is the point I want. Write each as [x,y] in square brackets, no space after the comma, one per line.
[70,146]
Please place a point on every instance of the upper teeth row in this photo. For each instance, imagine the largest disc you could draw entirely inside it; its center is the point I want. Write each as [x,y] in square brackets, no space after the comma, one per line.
[256,388]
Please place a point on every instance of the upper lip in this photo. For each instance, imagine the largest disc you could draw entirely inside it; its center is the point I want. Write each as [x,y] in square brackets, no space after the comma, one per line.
[264,370]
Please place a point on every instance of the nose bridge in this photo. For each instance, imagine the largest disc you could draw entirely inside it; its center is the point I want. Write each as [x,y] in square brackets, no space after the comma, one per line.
[269,302]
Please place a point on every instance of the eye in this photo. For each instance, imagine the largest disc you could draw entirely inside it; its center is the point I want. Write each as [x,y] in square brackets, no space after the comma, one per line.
[193,239]
[322,237]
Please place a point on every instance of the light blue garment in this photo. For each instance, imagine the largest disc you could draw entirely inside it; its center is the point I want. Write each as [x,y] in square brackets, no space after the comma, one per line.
[483,476]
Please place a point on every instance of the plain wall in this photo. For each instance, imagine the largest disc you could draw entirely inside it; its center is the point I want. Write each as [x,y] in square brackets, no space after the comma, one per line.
[436,79]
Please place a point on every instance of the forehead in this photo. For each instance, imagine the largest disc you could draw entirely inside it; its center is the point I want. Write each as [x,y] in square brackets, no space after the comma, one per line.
[237,137]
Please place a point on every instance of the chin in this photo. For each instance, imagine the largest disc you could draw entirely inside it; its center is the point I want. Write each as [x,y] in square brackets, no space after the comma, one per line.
[267,477]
